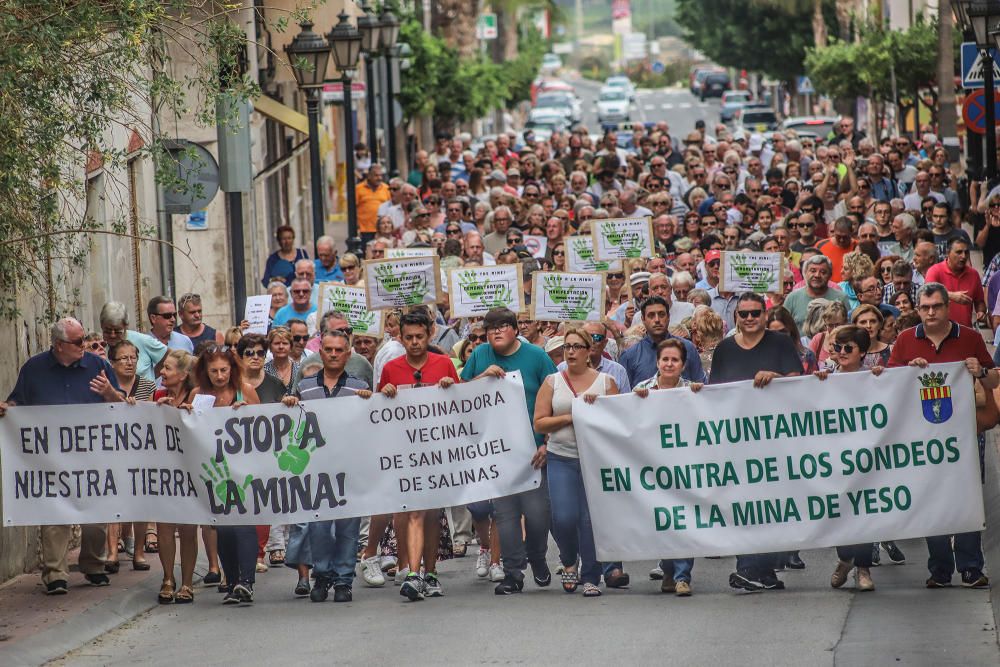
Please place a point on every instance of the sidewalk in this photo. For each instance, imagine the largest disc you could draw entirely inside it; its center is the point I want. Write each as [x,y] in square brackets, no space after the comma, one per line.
[36,628]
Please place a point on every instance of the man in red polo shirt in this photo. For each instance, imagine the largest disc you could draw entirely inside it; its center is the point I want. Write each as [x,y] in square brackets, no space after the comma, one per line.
[938,339]
[418,368]
[965,287]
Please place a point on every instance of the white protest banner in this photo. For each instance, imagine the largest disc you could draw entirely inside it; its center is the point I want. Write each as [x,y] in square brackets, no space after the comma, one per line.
[570,297]
[622,238]
[407,281]
[266,464]
[799,464]
[759,272]
[536,245]
[475,290]
[257,310]
[396,253]
[580,256]
[351,302]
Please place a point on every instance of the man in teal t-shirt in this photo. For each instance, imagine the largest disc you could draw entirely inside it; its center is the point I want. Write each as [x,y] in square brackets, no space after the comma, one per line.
[506,352]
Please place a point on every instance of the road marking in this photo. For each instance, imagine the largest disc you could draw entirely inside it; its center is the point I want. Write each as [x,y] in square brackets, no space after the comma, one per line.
[667,105]
[650,106]
[684,105]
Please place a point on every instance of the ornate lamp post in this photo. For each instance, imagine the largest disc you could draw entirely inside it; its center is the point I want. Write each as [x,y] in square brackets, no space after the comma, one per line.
[345,40]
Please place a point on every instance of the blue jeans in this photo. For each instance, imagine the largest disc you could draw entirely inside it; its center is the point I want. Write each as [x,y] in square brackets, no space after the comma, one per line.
[519,545]
[967,555]
[481,510]
[333,546]
[238,553]
[571,526]
[680,566]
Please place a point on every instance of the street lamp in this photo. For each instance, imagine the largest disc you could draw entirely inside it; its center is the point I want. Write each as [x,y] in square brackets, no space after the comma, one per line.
[345,40]
[371,30]
[981,18]
[308,55]
[389,35]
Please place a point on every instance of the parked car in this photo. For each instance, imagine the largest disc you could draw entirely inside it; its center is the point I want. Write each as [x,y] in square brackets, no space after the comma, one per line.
[551,62]
[732,100]
[714,84]
[613,105]
[623,82]
[698,75]
[820,126]
[752,119]
[568,103]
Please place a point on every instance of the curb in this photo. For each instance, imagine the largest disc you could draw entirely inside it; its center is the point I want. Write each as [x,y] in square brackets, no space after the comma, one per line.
[85,627]
[991,536]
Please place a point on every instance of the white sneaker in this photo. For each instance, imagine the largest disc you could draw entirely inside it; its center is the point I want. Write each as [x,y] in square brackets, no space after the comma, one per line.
[401,575]
[386,563]
[483,563]
[496,572]
[656,574]
[371,572]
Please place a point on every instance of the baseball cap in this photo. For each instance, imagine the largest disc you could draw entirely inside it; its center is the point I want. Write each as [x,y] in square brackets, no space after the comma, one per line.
[554,343]
[711,255]
[497,175]
[639,277]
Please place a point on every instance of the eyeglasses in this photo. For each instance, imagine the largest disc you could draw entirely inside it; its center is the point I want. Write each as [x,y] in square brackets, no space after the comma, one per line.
[422,215]
[846,348]
[301,291]
[597,337]
[574,347]
[129,359]
[75,343]
[803,225]
[454,231]
[166,316]
[523,323]
[714,262]
[348,266]
[928,307]
[499,329]
[746,314]
[418,376]
[97,345]
[300,339]
[873,288]
[616,276]
[247,354]
[559,253]
[108,332]
[476,338]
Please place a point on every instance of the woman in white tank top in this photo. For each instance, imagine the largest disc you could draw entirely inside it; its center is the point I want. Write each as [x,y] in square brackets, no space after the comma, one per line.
[571,525]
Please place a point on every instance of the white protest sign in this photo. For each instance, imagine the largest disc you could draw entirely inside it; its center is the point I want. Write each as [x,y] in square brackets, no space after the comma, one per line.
[396,253]
[622,238]
[571,297]
[351,302]
[202,402]
[265,464]
[475,290]
[536,245]
[580,256]
[799,464]
[407,281]
[759,272]
[256,313]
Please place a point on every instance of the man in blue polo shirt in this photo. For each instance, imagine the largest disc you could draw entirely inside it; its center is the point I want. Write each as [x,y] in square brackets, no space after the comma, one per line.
[67,375]
[640,359]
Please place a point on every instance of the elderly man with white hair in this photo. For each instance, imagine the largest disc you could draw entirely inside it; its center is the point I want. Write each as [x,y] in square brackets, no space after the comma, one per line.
[66,374]
[114,328]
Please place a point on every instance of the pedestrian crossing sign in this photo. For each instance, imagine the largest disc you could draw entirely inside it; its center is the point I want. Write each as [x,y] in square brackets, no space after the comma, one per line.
[972,65]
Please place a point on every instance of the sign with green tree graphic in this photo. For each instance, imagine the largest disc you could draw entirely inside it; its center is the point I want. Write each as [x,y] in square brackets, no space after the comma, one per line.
[622,238]
[475,290]
[580,256]
[351,302]
[401,282]
[758,272]
[567,297]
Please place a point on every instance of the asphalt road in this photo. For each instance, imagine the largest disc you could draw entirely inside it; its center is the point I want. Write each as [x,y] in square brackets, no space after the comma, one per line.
[677,106]
[901,623]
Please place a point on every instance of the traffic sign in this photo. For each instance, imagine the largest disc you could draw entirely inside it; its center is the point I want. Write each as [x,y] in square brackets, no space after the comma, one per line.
[972,66]
[974,111]
[486,26]
[804,86]
[333,93]
[658,67]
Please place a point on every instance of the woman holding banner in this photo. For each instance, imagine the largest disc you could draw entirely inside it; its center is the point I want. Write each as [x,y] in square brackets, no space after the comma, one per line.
[848,349]
[177,384]
[571,525]
[217,374]
[671,355]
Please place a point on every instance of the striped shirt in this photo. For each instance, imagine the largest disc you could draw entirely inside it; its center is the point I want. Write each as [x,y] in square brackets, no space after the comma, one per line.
[312,388]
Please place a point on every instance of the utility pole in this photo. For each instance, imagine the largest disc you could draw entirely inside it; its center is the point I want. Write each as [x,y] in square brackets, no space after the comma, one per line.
[947,116]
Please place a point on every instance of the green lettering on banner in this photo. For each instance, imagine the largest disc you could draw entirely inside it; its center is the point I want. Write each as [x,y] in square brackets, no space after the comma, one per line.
[703,437]
[670,436]
[715,517]
[665,517]
[616,479]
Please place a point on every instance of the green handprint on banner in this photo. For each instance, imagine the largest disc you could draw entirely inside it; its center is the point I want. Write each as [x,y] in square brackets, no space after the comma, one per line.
[418,290]
[295,459]
[583,249]
[363,324]
[218,479]
[552,284]
[583,308]
[743,268]
[387,278]
[611,235]
[502,298]
[474,288]
[337,298]
[632,244]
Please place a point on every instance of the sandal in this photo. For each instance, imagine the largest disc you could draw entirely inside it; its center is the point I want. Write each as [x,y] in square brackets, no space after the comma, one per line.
[276,557]
[166,595]
[185,595]
[151,546]
[591,591]
[569,580]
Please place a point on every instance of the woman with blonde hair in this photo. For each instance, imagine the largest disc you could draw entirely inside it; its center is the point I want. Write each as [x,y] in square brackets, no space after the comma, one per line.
[856,267]
[707,330]
[350,264]
[834,315]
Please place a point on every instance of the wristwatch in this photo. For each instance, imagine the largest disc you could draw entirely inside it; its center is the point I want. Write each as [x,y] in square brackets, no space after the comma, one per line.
[983,374]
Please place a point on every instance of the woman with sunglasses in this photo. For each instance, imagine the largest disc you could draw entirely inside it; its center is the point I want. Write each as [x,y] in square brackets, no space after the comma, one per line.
[433,203]
[175,376]
[94,343]
[124,356]
[281,366]
[351,266]
[558,254]
[218,374]
[571,526]
[850,345]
